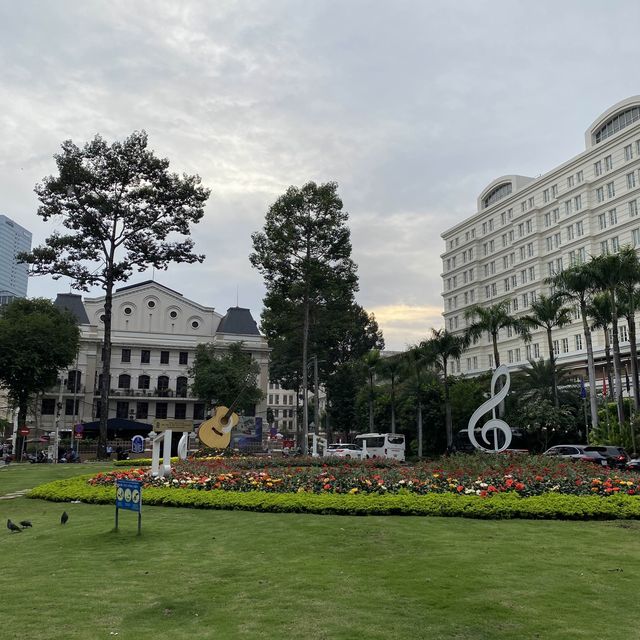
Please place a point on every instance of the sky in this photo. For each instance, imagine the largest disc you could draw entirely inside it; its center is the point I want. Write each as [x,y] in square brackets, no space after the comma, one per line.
[413,107]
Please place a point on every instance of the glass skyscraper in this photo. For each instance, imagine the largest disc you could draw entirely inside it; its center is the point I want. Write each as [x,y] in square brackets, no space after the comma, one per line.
[13,276]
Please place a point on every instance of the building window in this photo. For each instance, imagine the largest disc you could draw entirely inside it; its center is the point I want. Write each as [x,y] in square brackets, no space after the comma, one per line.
[578,340]
[510,356]
[180,411]
[142,410]
[577,203]
[628,152]
[126,355]
[635,235]
[145,356]
[600,194]
[161,410]
[554,190]
[536,350]
[475,362]
[143,382]
[615,244]
[122,410]
[545,195]
[579,229]
[608,163]
[163,383]
[570,234]
[164,357]
[74,379]
[124,381]
[631,180]
[182,386]
[613,217]
[565,345]
[624,334]
[580,176]
[70,407]
[570,182]
[611,190]
[556,347]
[604,247]
[183,357]
[597,168]
[198,411]
[602,221]
[633,208]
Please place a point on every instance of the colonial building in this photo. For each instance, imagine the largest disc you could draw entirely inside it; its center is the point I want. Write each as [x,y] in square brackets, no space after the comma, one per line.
[527,229]
[155,332]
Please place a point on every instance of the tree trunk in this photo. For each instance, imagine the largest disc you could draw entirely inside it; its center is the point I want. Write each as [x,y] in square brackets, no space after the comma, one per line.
[447,411]
[371,430]
[419,429]
[23,408]
[593,400]
[633,353]
[552,358]
[305,379]
[607,360]
[106,371]
[616,360]
[393,405]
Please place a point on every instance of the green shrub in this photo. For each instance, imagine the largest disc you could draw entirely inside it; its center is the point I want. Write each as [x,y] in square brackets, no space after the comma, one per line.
[548,506]
[140,462]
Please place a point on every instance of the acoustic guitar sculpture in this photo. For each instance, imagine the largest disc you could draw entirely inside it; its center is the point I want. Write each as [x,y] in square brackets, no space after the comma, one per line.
[216,431]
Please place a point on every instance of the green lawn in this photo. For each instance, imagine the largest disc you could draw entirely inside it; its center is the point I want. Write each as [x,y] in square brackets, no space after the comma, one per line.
[225,574]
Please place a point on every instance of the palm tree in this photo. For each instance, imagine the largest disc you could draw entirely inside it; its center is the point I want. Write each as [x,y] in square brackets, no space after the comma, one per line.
[599,310]
[416,361]
[548,312]
[629,297]
[390,368]
[372,362]
[536,382]
[442,347]
[610,270]
[490,320]
[576,284]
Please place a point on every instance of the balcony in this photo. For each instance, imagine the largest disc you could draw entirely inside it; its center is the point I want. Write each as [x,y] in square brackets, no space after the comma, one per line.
[144,393]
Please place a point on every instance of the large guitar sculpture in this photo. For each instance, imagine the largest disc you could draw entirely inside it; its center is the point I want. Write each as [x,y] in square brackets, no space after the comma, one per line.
[493,424]
[216,431]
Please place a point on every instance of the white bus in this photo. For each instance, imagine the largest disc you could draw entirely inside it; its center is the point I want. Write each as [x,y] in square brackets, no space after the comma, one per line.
[381,445]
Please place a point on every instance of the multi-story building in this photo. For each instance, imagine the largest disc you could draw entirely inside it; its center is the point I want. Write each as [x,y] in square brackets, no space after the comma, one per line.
[13,275]
[155,332]
[527,229]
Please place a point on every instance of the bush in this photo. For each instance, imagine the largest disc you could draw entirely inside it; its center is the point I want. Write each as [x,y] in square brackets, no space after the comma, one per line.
[507,505]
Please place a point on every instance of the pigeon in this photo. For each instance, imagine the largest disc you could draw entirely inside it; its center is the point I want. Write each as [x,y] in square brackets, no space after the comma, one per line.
[25,523]
[13,527]
[64,517]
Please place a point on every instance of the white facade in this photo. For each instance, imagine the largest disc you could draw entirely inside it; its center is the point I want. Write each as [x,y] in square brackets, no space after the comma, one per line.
[155,332]
[526,229]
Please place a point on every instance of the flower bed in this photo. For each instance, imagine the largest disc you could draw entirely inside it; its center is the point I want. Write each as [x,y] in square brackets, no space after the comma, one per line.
[480,475]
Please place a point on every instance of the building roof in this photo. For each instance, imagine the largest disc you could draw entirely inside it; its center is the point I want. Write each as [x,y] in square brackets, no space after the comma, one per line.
[145,284]
[238,321]
[72,302]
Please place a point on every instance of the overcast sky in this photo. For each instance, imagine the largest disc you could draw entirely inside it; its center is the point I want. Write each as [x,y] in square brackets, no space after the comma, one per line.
[413,107]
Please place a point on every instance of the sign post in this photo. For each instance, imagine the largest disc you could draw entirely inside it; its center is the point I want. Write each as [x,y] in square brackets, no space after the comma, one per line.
[129,496]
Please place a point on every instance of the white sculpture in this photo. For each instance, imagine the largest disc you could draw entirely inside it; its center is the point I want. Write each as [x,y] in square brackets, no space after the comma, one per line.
[494,424]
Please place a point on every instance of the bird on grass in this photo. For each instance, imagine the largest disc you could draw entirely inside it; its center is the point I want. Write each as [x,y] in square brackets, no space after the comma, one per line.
[25,523]
[13,527]
[64,517]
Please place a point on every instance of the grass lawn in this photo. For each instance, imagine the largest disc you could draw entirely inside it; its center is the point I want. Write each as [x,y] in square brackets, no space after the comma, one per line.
[225,574]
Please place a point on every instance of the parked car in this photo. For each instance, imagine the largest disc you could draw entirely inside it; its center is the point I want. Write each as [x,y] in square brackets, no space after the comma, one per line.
[343,451]
[633,465]
[578,452]
[574,451]
[616,456]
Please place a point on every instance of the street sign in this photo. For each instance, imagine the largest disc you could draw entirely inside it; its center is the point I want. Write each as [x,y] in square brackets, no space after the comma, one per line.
[129,496]
[79,428]
[79,436]
[23,431]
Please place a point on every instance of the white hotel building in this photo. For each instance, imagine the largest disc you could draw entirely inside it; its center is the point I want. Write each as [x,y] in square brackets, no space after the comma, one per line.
[526,229]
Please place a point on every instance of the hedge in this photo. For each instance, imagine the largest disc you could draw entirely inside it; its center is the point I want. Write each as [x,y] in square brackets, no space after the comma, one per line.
[508,505]
[140,462]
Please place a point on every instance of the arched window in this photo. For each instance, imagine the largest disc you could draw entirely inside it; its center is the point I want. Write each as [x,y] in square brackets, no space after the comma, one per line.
[621,120]
[144,382]
[499,192]
[100,378]
[163,385]
[182,386]
[74,379]
[124,381]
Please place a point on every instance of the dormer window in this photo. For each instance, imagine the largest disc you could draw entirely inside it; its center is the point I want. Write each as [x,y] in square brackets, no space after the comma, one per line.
[501,191]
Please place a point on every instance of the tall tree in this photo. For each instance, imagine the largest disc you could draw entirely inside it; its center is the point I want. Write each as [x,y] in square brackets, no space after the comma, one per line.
[304,256]
[609,270]
[549,313]
[390,369]
[443,347]
[226,377]
[599,310]
[417,361]
[372,363]
[36,340]
[576,285]
[124,211]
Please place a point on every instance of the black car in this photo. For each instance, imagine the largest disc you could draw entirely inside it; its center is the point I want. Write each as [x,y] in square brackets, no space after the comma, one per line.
[615,456]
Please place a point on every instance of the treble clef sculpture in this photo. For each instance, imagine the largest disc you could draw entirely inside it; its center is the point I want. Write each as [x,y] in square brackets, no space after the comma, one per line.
[494,424]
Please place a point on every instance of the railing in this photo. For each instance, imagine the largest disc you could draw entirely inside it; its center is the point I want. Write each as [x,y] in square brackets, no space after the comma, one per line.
[145,393]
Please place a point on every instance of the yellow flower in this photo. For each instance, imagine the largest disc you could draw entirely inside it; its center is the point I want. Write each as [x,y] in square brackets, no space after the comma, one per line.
[354,490]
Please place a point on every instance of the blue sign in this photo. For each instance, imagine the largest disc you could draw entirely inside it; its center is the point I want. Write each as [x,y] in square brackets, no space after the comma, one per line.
[137,444]
[129,495]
